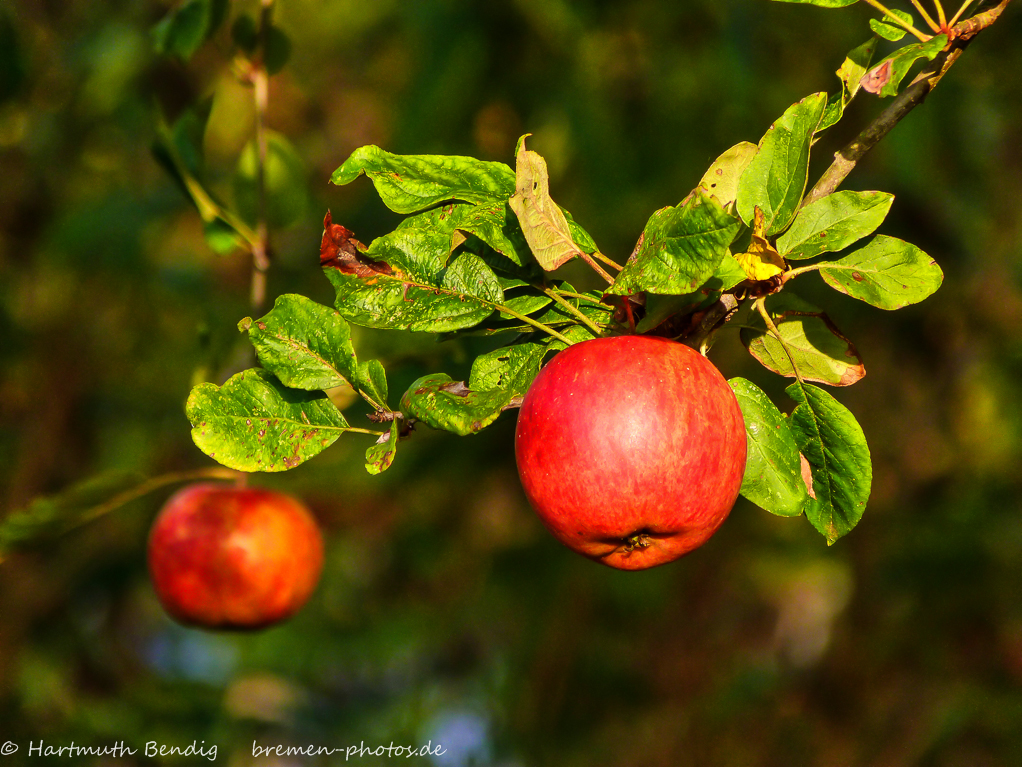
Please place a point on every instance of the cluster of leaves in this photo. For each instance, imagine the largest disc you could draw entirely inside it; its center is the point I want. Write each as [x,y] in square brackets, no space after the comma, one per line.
[474,255]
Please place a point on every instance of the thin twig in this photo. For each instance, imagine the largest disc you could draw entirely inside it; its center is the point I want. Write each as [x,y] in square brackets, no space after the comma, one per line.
[926,17]
[596,267]
[261,89]
[958,14]
[608,261]
[914,95]
[574,310]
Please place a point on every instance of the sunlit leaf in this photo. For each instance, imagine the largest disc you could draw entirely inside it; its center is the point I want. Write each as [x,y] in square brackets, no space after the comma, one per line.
[819,350]
[722,177]
[681,248]
[773,473]
[888,273]
[832,441]
[542,221]
[889,31]
[850,73]
[380,456]
[822,3]
[885,78]
[410,183]
[444,403]
[255,423]
[833,223]
[776,178]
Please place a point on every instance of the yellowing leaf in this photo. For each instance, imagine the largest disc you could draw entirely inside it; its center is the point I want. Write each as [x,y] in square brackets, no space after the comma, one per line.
[761,261]
[543,222]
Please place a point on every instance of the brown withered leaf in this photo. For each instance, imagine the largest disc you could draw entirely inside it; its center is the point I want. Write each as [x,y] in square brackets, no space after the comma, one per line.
[875,79]
[341,250]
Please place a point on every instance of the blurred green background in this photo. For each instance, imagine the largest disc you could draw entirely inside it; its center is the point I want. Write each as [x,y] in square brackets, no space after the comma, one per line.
[446,612]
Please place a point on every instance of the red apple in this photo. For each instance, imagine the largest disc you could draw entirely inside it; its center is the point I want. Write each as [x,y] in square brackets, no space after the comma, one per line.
[631,449]
[228,557]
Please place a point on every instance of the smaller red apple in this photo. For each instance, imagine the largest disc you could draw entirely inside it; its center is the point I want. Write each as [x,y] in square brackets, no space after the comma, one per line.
[234,558]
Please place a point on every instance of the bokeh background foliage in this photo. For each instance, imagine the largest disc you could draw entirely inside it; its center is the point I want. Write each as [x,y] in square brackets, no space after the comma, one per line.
[446,612]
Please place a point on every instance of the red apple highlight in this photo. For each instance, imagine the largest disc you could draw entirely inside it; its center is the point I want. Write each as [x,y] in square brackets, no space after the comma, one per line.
[234,558]
[631,449]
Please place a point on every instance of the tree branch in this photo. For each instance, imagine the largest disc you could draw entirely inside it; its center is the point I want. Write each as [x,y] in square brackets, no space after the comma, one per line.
[845,160]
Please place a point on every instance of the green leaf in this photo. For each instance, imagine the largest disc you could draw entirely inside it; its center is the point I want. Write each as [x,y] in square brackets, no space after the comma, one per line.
[410,183]
[832,441]
[773,472]
[659,308]
[721,179]
[287,199]
[890,31]
[443,403]
[183,31]
[885,78]
[542,221]
[888,273]
[304,344]
[817,347]
[833,223]
[380,456]
[255,423]
[371,380]
[681,248]
[850,74]
[510,368]
[776,178]
[496,225]
[403,280]
[822,3]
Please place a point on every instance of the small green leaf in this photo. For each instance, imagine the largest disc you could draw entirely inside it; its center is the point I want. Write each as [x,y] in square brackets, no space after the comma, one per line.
[817,347]
[444,403]
[822,3]
[183,31]
[542,221]
[403,281]
[850,74]
[776,178]
[510,368]
[371,380]
[885,78]
[255,423]
[890,31]
[833,223]
[721,180]
[773,472]
[304,344]
[287,199]
[681,248]
[888,273]
[410,183]
[278,50]
[832,441]
[380,456]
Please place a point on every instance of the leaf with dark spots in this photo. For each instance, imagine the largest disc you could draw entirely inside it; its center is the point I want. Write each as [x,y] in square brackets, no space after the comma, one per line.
[441,402]
[820,351]
[255,423]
